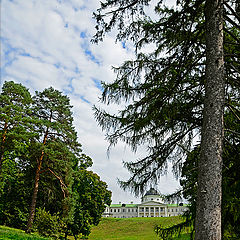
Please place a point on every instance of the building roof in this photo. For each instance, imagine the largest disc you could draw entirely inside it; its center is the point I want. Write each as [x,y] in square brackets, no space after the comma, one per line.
[151,191]
[136,205]
[177,205]
[123,205]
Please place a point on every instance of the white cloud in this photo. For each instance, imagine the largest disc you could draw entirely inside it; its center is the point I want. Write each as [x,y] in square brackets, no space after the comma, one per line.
[47,43]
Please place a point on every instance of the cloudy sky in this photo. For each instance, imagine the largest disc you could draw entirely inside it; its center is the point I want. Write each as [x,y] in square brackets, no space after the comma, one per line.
[47,43]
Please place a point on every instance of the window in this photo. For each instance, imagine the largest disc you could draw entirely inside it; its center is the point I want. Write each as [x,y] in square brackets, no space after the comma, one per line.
[176,209]
[162,209]
[115,210]
[132,210]
[118,210]
[111,210]
[172,209]
[151,198]
[129,210]
[152,209]
[168,210]
[123,210]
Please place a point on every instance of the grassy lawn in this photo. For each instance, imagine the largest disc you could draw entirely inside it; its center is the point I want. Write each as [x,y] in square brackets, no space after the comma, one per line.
[7,233]
[131,228]
[109,229]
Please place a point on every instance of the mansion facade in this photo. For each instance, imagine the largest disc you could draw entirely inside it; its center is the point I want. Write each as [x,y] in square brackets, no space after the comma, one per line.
[151,206]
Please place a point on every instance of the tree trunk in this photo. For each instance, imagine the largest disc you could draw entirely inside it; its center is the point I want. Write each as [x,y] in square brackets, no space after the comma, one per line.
[34,196]
[2,146]
[35,189]
[208,215]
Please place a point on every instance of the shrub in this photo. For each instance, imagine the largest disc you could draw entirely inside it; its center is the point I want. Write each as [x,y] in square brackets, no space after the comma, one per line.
[46,224]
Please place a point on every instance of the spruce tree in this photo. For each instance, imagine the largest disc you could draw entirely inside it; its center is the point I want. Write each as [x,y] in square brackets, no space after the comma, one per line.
[175,92]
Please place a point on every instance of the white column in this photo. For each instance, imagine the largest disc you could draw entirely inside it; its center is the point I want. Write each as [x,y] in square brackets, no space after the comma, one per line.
[144,210]
[149,211]
[138,211]
[154,214]
[166,213]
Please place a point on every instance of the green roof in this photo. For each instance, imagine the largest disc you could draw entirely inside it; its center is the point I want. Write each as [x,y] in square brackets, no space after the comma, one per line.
[136,205]
[126,205]
[177,205]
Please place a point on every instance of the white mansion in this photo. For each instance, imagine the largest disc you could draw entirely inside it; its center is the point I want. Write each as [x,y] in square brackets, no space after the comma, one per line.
[151,206]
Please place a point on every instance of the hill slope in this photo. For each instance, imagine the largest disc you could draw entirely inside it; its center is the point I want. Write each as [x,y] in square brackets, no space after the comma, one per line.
[7,233]
[131,228]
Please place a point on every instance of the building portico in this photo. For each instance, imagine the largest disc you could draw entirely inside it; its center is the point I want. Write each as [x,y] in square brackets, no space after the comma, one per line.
[152,205]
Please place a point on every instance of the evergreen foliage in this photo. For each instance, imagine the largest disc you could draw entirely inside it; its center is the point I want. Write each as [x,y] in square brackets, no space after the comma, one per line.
[42,161]
[174,92]
[231,184]
[163,90]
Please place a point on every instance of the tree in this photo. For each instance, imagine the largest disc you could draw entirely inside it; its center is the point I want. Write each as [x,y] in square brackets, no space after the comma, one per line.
[208,215]
[230,186]
[90,199]
[40,140]
[56,145]
[15,100]
[170,97]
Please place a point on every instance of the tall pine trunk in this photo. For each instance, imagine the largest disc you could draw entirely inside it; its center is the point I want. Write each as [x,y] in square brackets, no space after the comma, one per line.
[2,145]
[34,196]
[35,189]
[208,216]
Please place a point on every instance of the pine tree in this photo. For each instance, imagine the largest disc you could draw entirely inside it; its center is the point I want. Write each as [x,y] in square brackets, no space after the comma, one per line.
[15,100]
[55,149]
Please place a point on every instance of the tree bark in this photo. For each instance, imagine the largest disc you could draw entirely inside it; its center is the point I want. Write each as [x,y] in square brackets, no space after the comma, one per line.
[209,196]
[34,196]
[35,189]
[2,146]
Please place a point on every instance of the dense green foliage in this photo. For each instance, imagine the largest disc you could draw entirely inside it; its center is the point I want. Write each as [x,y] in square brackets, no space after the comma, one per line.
[43,166]
[47,224]
[14,122]
[91,193]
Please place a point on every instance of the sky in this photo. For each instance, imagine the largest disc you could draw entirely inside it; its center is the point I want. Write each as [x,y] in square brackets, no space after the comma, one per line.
[47,43]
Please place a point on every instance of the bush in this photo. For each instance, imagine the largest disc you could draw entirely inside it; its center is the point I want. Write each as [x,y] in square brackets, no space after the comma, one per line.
[46,224]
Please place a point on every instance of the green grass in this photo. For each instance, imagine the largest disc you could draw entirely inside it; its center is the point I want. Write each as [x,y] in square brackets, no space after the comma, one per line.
[109,229]
[7,233]
[131,228]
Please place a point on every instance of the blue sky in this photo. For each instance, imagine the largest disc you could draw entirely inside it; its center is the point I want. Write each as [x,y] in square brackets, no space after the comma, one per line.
[47,43]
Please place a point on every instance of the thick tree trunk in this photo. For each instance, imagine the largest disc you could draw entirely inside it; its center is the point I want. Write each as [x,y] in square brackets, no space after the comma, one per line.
[208,216]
